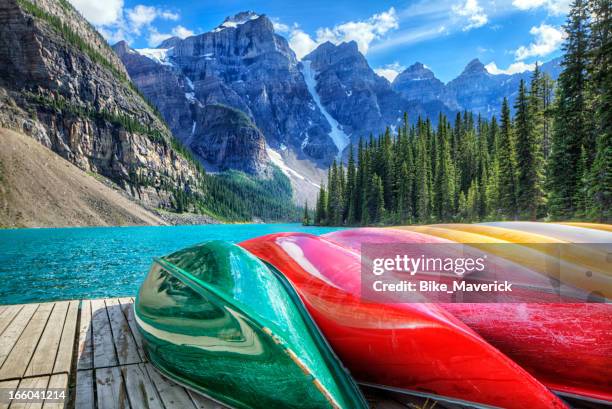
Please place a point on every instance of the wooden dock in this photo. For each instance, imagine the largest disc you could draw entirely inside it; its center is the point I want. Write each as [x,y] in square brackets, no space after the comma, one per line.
[91,350]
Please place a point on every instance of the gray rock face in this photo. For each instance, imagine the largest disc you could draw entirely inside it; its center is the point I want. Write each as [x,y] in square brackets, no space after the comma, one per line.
[361,101]
[418,83]
[74,97]
[475,90]
[230,140]
[241,64]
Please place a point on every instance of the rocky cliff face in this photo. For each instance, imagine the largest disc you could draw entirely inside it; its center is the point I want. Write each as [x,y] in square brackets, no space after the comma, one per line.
[61,84]
[418,83]
[358,99]
[241,64]
[221,137]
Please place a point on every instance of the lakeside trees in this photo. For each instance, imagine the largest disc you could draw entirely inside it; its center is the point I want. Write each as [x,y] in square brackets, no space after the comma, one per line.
[552,159]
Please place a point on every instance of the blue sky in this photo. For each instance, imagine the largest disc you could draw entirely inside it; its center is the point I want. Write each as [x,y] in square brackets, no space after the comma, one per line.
[506,35]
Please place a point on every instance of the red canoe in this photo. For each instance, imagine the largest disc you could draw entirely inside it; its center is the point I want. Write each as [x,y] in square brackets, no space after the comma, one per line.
[414,347]
[566,346]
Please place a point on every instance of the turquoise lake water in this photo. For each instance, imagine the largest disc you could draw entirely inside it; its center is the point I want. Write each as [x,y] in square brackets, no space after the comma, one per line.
[92,262]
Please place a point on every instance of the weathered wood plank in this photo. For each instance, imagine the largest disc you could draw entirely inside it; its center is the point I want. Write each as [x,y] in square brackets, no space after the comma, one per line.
[44,356]
[85,350]
[57,382]
[13,331]
[84,398]
[127,350]
[103,348]
[16,363]
[63,361]
[111,389]
[6,387]
[6,317]
[171,394]
[202,402]
[26,384]
[140,389]
[127,305]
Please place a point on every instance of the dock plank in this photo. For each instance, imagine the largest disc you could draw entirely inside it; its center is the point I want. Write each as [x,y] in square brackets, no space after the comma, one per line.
[13,331]
[111,389]
[84,398]
[26,384]
[16,363]
[63,361]
[103,347]
[125,345]
[171,394]
[85,348]
[46,351]
[57,382]
[142,394]
[6,387]
[7,315]
[127,305]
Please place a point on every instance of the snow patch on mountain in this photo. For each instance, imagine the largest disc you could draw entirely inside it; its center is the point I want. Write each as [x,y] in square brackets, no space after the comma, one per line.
[337,135]
[238,19]
[159,55]
[277,159]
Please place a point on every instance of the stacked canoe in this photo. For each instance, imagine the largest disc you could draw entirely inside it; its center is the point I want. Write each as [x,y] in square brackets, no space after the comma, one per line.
[280,321]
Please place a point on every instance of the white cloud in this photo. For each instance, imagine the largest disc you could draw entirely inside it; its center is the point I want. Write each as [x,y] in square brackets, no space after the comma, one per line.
[155,37]
[279,27]
[547,40]
[141,16]
[182,32]
[99,13]
[362,32]
[554,7]
[472,13]
[301,43]
[390,71]
[117,23]
[513,68]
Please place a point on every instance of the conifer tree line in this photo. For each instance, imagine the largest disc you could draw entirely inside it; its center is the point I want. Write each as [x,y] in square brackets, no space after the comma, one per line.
[551,160]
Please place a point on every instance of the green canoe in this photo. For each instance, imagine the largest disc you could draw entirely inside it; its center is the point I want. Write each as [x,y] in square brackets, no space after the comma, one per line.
[216,319]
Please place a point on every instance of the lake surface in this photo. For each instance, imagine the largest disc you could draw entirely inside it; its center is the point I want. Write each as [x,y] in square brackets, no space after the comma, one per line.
[93,262]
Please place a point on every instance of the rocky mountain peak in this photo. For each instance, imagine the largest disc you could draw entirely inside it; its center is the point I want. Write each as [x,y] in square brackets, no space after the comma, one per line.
[415,72]
[237,20]
[121,47]
[169,42]
[474,67]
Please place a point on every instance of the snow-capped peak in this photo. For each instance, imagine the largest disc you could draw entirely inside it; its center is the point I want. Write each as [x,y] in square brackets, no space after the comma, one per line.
[235,21]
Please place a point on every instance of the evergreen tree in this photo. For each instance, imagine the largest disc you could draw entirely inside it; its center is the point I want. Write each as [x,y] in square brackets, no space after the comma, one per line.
[529,190]
[376,200]
[306,218]
[506,162]
[600,97]
[570,125]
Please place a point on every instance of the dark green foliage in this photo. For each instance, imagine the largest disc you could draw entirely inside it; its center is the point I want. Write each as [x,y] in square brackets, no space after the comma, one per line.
[478,170]
[234,195]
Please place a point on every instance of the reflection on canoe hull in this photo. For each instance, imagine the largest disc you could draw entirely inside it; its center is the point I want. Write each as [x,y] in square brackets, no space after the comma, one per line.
[216,319]
[568,347]
[417,347]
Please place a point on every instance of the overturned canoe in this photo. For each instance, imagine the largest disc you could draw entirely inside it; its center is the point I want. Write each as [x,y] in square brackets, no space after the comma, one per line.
[416,347]
[216,319]
[566,346]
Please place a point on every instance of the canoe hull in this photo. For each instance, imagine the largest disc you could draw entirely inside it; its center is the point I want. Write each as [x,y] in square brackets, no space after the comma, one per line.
[416,347]
[200,334]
